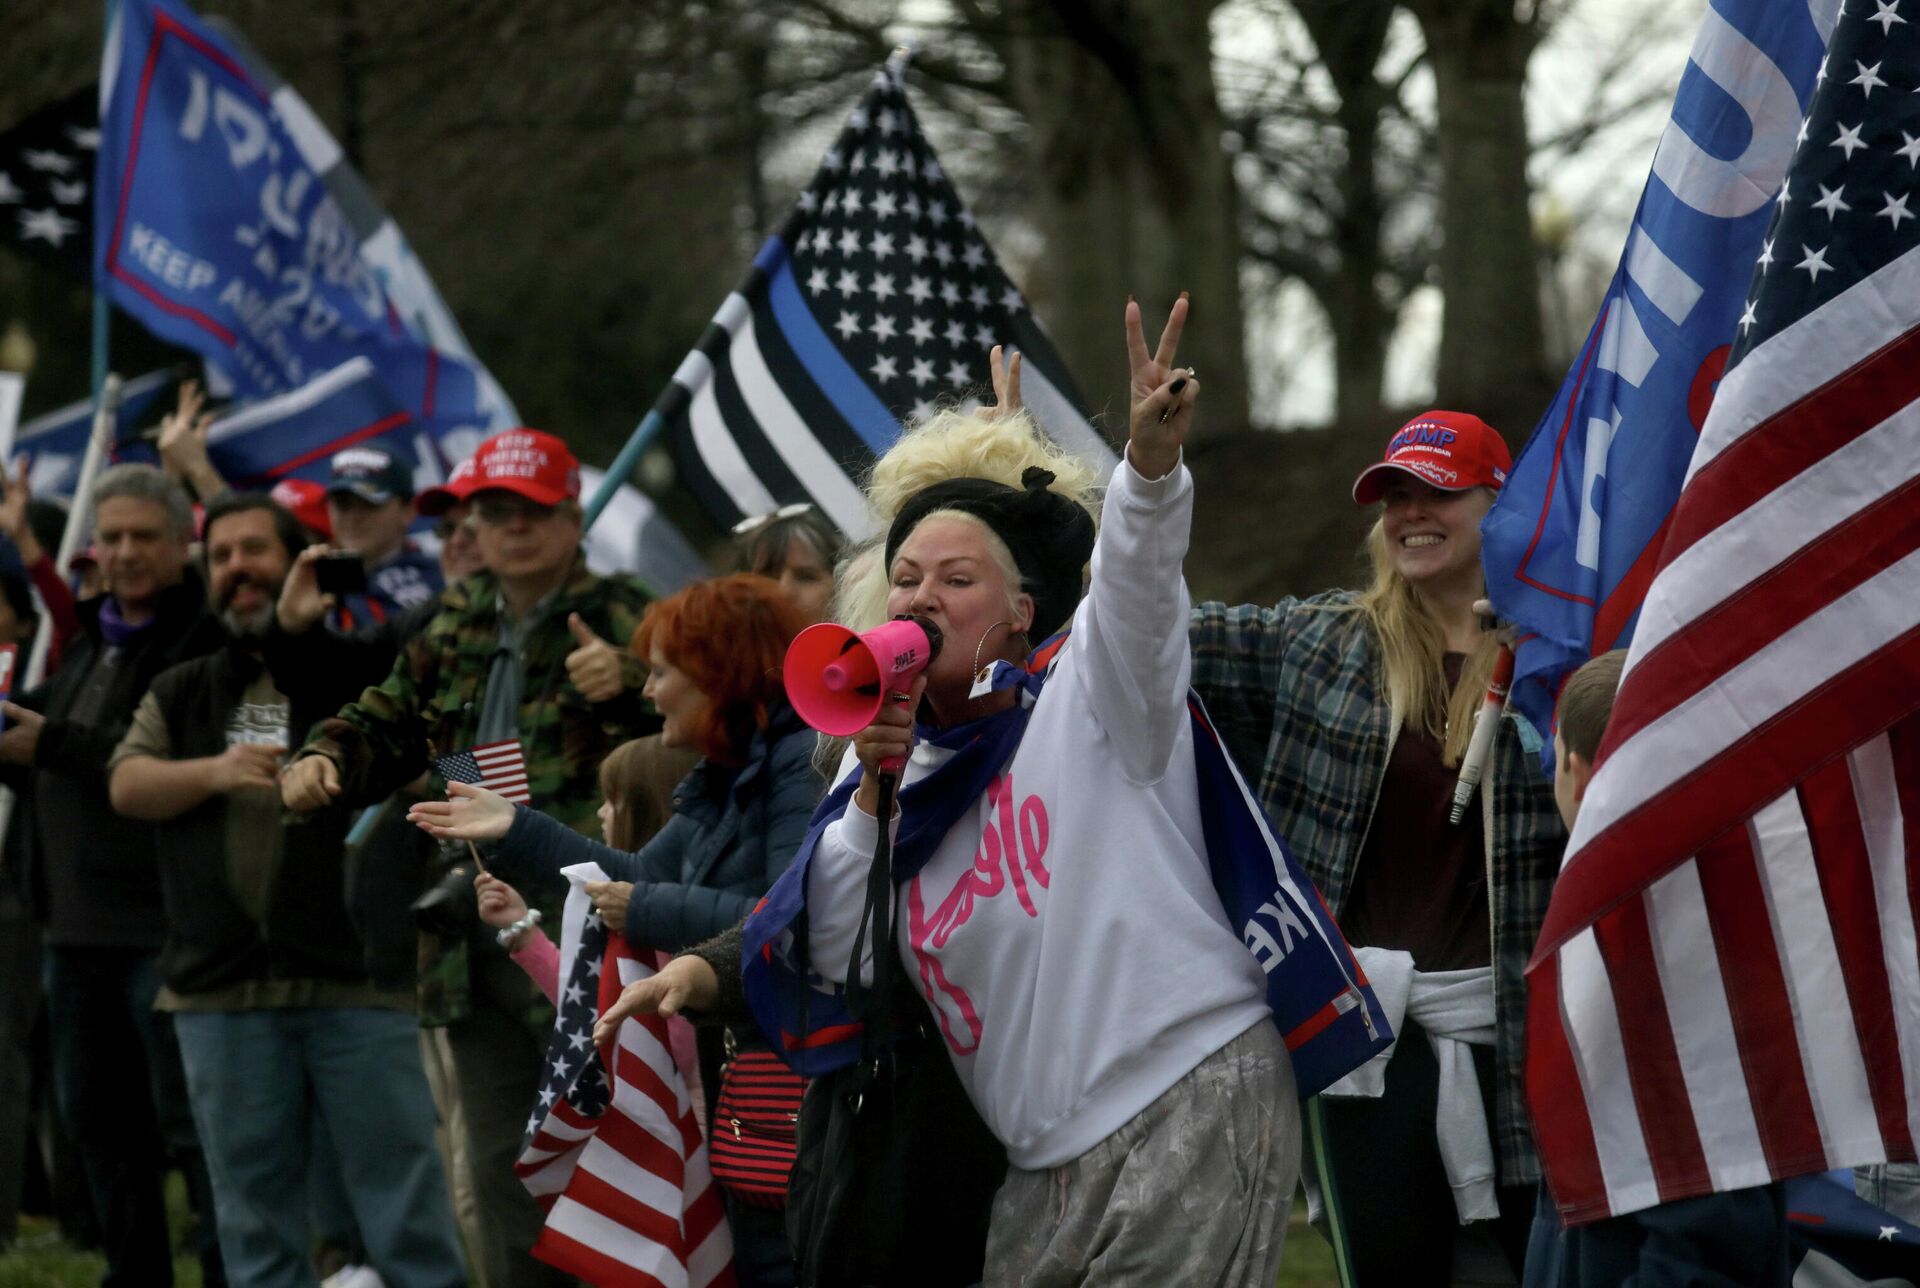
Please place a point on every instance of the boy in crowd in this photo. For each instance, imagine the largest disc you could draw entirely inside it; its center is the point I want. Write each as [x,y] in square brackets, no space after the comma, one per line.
[1737,1239]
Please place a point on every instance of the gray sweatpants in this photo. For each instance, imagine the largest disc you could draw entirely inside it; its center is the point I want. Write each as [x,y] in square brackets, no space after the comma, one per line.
[1194,1190]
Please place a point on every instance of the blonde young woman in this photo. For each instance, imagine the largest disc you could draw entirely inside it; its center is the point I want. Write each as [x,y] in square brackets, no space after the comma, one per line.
[1350,711]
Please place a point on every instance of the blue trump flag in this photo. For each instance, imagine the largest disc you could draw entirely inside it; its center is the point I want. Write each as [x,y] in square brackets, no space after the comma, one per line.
[220,225]
[1571,545]
[54,443]
[296,435]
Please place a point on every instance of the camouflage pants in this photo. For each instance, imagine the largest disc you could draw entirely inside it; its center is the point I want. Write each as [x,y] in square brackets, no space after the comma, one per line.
[1193,1191]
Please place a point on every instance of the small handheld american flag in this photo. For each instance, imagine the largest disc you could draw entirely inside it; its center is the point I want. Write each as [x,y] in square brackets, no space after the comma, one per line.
[497,766]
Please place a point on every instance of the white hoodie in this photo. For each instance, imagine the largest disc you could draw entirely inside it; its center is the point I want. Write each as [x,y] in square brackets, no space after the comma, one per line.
[1066,931]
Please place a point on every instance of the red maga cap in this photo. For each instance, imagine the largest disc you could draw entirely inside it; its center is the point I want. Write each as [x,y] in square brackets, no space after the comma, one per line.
[437,500]
[1449,450]
[308,502]
[527,462]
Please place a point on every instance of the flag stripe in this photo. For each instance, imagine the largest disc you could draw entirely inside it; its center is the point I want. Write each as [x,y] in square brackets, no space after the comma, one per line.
[835,377]
[1647,1045]
[1882,780]
[1705,1041]
[1810,354]
[714,444]
[1566,1141]
[809,405]
[804,455]
[1841,862]
[1762,1007]
[1841,711]
[1818,425]
[1847,554]
[1593,1032]
[1837,1079]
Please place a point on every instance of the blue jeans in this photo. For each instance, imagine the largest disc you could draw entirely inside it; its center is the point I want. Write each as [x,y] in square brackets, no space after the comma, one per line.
[257,1077]
[118,1084]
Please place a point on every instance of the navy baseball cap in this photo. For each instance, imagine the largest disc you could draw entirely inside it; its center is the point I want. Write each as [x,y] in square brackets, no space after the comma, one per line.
[373,474]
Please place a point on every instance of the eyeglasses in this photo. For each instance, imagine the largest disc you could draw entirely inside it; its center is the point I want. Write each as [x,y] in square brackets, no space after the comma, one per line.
[447,525]
[759,521]
[497,510]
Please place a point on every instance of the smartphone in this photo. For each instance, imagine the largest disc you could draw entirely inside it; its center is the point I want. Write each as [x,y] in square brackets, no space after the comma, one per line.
[341,573]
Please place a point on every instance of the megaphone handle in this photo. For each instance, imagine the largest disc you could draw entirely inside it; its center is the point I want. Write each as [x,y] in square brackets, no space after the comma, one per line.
[894,766]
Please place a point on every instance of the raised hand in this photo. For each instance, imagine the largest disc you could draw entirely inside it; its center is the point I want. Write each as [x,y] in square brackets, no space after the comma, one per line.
[301,605]
[1162,396]
[468,814]
[1006,385]
[594,667]
[183,436]
[14,496]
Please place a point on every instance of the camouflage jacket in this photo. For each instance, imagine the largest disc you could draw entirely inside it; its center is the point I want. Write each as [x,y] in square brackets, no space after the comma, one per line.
[430,706]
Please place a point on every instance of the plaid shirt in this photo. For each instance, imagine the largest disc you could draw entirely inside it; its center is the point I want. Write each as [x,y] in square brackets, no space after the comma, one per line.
[1298,693]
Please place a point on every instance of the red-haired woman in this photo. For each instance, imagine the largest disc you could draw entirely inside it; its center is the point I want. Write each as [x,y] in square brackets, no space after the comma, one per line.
[714,651]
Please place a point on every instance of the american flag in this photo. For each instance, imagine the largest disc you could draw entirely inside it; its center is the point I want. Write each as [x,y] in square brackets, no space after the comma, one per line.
[497,766]
[876,300]
[1727,989]
[46,182]
[613,1152]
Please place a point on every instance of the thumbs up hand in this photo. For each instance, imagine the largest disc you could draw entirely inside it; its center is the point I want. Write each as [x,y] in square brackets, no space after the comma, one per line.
[594,667]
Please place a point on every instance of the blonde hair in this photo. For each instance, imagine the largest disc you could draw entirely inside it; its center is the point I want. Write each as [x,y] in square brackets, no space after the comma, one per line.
[1412,653]
[951,445]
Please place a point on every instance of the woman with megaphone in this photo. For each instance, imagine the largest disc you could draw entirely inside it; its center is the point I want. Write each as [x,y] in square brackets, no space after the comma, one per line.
[1040,834]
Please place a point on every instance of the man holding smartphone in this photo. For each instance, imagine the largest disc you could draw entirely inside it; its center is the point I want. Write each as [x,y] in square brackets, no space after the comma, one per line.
[370,504]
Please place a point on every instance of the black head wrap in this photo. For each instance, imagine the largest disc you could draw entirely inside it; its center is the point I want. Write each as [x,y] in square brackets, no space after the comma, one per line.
[1050,535]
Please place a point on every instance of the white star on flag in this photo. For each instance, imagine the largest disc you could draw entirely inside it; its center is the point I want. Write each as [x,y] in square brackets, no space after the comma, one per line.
[1830,201]
[1848,142]
[9,190]
[52,161]
[1815,262]
[1886,13]
[1895,209]
[1868,78]
[46,225]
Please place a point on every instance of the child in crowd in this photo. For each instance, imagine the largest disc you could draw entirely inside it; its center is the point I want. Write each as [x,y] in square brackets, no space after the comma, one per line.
[637,783]
[1733,1240]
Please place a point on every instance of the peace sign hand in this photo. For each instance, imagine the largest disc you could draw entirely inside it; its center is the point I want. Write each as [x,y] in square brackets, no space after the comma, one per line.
[1006,385]
[1162,396]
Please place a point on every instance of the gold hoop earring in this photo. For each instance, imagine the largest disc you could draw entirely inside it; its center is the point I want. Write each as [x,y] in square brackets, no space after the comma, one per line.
[983,643]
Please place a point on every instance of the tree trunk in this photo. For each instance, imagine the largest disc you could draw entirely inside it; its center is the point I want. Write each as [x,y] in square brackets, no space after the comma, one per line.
[1492,351]
[1133,192]
[1350,35]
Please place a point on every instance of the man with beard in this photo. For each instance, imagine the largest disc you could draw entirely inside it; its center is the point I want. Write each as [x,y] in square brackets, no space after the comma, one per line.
[277,1019]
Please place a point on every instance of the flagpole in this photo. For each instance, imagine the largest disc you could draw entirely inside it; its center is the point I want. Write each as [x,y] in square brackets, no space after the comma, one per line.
[623,465]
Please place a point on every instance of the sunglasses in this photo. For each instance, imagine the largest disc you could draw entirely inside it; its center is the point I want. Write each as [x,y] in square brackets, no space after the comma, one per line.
[759,521]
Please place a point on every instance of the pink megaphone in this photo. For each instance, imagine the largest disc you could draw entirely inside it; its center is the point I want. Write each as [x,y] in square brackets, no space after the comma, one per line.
[837,679]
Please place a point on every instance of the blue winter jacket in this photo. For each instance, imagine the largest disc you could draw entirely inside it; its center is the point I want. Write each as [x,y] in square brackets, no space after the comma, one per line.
[733,832]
